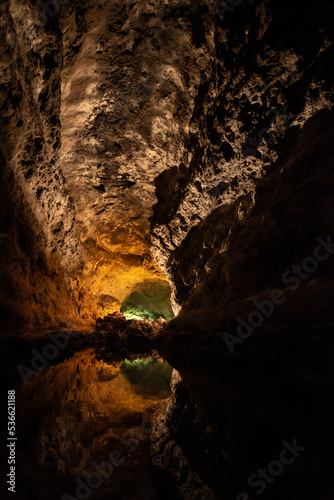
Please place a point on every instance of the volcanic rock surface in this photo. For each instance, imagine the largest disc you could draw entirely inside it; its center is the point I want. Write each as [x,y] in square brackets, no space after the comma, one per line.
[148,145]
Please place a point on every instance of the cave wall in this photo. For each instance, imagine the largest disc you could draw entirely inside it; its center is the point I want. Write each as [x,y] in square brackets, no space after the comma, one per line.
[37,212]
[101,95]
[254,201]
[148,136]
[149,139]
[254,141]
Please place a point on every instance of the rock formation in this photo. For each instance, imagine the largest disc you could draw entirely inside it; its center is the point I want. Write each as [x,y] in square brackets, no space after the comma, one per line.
[186,146]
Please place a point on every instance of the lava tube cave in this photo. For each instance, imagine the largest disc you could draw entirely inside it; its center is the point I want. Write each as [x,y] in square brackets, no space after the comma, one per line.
[167,249]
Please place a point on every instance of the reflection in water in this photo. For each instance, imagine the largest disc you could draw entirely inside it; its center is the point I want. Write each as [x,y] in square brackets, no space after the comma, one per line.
[150,378]
[77,412]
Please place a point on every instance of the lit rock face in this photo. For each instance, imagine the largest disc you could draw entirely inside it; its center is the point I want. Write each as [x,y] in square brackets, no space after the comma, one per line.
[101,96]
[153,134]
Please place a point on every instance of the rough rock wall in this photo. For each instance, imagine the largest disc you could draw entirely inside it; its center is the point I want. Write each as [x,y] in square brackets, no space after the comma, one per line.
[271,74]
[212,137]
[101,95]
[37,210]
[243,218]
[124,107]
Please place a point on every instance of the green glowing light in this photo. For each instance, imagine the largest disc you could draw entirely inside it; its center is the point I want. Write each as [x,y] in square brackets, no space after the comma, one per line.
[148,376]
[136,311]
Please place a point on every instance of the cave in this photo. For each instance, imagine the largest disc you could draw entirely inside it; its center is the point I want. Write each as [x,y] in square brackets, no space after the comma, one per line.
[167,249]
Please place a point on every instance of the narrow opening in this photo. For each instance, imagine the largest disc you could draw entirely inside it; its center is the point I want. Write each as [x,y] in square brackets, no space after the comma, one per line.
[148,301]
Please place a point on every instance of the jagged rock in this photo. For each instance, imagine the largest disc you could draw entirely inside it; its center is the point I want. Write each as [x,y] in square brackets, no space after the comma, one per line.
[172,139]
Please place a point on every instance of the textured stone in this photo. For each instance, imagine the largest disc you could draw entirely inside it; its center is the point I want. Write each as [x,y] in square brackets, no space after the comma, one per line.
[150,140]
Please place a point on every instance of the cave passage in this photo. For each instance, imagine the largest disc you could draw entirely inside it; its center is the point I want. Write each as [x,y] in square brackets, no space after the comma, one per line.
[166,194]
[150,302]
